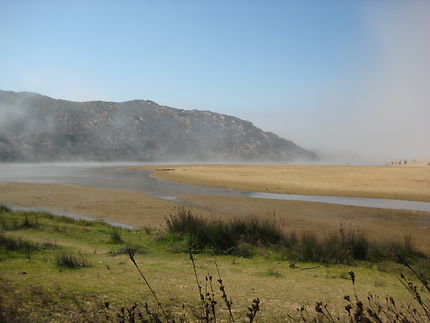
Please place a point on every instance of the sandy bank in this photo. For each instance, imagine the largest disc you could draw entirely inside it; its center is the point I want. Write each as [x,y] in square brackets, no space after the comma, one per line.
[133,208]
[139,209]
[404,183]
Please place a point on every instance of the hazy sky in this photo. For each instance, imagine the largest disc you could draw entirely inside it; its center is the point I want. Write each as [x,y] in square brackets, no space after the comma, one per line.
[336,76]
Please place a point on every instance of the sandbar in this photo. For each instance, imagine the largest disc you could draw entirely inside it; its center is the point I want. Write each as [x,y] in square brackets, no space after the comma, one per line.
[391,182]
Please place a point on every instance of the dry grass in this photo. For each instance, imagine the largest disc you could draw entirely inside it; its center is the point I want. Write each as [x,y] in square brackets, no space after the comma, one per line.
[405,183]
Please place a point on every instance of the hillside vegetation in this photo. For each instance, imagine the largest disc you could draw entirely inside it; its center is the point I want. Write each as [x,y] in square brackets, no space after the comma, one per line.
[39,128]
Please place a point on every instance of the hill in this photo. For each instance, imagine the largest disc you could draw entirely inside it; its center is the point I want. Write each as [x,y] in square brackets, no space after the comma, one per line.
[34,127]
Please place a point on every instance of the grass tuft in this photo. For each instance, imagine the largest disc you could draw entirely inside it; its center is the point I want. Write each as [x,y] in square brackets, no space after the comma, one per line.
[222,236]
[30,221]
[115,236]
[4,209]
[17,244]
[72,261]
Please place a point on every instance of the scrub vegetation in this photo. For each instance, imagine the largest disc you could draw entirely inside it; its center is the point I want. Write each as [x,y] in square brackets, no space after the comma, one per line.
[229,237]
[60,269]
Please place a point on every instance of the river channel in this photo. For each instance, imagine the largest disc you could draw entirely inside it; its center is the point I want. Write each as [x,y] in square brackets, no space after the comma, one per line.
[113,176]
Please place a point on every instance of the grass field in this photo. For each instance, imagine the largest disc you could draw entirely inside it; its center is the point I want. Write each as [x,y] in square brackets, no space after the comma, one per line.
[393,182]
[36,288]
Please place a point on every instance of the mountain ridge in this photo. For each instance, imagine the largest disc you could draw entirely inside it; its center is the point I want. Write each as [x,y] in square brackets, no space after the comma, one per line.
[35,127]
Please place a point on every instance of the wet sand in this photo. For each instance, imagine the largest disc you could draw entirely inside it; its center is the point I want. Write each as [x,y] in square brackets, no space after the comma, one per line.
[132,208]
[392,182]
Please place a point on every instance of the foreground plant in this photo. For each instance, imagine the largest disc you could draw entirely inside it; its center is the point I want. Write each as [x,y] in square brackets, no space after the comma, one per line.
[207,311]
[372,310]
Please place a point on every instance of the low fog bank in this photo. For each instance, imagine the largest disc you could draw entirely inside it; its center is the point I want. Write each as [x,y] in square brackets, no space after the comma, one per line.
[382,112]
[326,159]
[391,100]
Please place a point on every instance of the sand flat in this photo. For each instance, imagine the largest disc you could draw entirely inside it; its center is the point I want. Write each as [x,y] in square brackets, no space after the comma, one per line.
[139,209]
[392,182]
[132,208]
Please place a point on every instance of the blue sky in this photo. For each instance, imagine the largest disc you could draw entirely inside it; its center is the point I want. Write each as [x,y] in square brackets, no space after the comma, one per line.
[284,65]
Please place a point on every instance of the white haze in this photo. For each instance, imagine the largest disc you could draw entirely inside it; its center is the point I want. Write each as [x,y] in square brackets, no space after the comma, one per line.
[384,112]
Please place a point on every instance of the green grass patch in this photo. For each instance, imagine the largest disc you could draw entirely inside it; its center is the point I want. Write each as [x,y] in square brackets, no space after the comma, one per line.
[266,268]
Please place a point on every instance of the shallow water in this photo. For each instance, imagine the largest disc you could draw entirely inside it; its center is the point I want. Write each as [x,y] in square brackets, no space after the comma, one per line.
[108,175]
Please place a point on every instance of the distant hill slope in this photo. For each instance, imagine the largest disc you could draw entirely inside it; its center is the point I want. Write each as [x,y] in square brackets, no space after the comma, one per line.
[34,127]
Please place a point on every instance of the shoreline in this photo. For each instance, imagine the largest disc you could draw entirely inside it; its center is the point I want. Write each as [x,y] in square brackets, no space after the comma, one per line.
[138,209]
[124,207]
[68,215]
